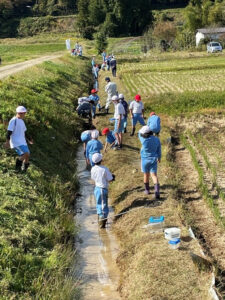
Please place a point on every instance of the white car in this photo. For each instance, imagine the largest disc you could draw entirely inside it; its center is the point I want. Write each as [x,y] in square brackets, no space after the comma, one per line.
[214,47]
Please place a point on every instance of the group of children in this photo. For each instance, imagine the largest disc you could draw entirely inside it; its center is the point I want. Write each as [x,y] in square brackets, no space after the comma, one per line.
[150,151]
[77,50]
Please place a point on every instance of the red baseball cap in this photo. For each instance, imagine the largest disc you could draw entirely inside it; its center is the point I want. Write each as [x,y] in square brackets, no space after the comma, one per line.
[93,91]
[137,98]
[105,131]
[152,113]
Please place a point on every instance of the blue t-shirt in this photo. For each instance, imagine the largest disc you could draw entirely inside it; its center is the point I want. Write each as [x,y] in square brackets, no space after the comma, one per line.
[93,146]
[151,147]
[94,98]
[154,123]
[110,138]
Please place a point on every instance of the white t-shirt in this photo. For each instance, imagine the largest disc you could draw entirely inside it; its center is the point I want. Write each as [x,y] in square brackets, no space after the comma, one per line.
[136,107]
[111,89]
[119,110]
[101,176]
[18,128]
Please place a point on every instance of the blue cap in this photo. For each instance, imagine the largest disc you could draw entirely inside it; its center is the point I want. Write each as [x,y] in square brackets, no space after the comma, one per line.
[107,79]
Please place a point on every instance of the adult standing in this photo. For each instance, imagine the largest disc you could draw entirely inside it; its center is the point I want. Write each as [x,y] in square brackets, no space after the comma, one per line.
[125,105]
[150,156]
[111,90]
[103,56]
[137,112]
[16,138]
[113,66]
[119,119]
[108,59]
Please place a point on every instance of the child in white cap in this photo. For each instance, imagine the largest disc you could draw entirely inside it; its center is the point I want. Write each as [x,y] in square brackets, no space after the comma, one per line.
[119,119]
[150,156]
[93,146]
[16,138]
[101,176]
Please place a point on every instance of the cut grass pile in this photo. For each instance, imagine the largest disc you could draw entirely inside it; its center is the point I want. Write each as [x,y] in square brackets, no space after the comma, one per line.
[36,217]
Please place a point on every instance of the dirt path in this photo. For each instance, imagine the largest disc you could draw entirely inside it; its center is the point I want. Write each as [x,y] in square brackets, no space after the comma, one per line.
[14,68]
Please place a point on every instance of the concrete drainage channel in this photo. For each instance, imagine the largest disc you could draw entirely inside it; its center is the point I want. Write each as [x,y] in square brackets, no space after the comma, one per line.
[97,248]
[217,287]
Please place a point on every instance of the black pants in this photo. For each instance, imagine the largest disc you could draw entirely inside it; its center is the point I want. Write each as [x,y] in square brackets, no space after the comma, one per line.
[114,72]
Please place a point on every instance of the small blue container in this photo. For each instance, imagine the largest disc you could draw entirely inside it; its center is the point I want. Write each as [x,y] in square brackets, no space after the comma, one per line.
[155,224]
[112,120]
[156,219]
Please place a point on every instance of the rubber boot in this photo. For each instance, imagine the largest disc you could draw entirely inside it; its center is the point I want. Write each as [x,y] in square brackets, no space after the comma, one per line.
[107,110]
[146,188]
[18,165]
[133,131]
[157,195]
[101,222]
[26,166]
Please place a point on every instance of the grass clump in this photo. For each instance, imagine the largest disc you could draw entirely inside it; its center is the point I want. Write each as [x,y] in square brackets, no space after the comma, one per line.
[37,225]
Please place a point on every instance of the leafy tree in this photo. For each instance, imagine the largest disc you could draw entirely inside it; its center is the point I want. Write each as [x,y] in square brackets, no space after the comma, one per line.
[96,12]
[83,23]
[100,41]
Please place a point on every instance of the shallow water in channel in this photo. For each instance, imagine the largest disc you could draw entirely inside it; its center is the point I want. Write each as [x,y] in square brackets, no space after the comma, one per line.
[97,248]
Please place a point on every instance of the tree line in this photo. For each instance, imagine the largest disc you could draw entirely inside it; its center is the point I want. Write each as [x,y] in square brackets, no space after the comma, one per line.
[118,16]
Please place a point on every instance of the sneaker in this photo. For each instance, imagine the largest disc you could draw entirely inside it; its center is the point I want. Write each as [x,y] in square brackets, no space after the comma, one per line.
[146,192]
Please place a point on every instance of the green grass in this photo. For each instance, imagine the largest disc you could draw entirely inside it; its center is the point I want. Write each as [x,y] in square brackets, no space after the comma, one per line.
[36,219]
[18,50]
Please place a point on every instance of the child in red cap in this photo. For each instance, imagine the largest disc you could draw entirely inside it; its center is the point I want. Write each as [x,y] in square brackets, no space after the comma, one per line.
[137,112]
[96,102]
[110,138]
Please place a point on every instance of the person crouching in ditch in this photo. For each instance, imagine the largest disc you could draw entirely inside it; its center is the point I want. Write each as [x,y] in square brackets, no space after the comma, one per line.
[16,139]
[150,156]
[101,176]
[93,146]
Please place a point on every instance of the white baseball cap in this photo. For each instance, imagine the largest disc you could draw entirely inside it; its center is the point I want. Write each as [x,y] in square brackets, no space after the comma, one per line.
[94,134]
[121,96]
[96,158]
[21,109]
[145,129]
[115,98]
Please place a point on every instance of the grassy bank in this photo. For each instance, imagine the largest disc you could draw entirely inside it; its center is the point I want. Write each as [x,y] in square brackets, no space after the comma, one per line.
[37,225]
[150,270]
[17,50]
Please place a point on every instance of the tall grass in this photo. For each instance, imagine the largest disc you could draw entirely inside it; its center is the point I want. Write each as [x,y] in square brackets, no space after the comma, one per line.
[36,219]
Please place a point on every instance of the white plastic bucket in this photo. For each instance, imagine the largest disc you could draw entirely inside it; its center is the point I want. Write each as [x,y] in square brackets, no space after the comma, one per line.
[172,233]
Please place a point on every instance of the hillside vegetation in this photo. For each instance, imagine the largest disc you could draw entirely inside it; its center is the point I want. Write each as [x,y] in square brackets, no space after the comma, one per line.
[36,216]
